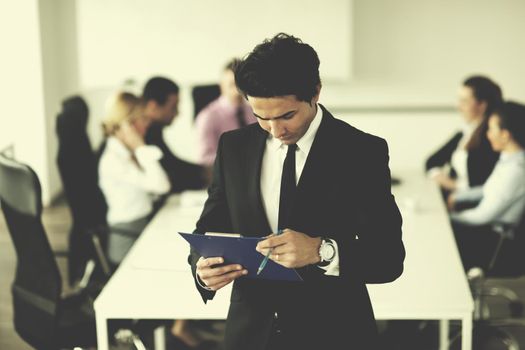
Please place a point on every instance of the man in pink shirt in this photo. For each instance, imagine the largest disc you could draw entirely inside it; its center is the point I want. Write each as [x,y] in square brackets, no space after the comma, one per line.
[228,112]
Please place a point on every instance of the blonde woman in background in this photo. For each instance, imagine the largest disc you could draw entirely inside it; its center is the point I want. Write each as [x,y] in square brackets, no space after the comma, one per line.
[132,178]
[130,174]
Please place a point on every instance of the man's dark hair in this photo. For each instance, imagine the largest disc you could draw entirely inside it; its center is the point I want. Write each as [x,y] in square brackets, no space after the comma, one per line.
[158,89]
[512,118]
[280,66]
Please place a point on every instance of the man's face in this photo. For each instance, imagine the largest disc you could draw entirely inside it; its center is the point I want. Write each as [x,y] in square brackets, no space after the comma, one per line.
[167,112]
[284,117]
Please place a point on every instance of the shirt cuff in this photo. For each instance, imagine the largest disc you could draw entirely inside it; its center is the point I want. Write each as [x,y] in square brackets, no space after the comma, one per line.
[148,154]
[332,269]
[201,284]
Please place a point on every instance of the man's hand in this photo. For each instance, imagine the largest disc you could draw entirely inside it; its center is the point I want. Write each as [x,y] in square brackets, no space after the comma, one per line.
[217,277]
[292,249]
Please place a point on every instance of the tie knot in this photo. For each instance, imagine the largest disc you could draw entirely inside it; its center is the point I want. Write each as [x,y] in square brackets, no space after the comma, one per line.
[291,148]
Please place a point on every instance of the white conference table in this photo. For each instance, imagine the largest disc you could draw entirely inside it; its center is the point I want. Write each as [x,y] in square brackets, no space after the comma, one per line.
[154,281]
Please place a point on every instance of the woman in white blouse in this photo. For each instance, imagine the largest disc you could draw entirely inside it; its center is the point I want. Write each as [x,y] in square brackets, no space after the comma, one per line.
[131,178]
[502,198]
[130,174]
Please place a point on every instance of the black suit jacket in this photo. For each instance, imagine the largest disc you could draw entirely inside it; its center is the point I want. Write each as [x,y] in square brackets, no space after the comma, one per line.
[343,193]
[182,175]
[480,161]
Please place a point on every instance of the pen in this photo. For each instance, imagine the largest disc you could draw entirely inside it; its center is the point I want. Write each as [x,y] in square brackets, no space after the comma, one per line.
[265,260]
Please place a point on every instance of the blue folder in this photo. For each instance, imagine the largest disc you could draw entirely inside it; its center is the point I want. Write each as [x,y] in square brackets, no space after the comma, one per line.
[240,250]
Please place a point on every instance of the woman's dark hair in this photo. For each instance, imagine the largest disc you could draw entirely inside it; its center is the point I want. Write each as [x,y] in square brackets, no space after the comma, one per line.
[484,90]
[280,66]
[512,118]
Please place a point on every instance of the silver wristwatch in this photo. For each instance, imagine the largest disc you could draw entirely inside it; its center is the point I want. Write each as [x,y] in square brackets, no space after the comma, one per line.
[326,252]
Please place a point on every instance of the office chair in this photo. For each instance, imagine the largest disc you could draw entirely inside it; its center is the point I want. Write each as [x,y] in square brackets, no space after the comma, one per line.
[507,261]
[77,166]
[43,317]
[202,95]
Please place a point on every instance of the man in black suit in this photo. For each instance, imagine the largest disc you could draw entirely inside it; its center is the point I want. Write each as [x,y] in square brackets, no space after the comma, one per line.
[161,103]
[323,182]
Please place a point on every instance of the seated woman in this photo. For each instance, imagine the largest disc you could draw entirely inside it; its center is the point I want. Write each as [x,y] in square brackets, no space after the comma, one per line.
[502,198]
[132,178]
[130,174]
[467,159]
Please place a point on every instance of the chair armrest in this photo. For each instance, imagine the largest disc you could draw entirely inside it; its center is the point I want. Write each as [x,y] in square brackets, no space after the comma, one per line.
[505,230]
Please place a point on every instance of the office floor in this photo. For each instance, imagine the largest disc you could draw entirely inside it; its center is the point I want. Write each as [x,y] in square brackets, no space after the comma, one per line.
[57,221]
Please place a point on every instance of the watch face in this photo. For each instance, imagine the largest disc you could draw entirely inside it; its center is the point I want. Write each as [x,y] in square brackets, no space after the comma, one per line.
[327,251]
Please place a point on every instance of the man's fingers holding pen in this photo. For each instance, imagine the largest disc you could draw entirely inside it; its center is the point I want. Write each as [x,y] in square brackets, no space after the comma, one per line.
[291,249]
[277,251]
[272,242]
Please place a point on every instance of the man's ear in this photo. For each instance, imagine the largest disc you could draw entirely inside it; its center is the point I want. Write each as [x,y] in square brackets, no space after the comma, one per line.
[315,99]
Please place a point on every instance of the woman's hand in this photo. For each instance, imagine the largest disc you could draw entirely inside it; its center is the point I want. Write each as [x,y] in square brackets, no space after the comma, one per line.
[129,136]
[451,202]
[445,181]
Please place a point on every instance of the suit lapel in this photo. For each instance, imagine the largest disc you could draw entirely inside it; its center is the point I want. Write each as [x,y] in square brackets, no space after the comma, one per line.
[317,155]
[314,175]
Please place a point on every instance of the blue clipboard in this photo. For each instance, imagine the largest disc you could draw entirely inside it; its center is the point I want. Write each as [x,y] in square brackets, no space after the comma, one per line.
[240,250]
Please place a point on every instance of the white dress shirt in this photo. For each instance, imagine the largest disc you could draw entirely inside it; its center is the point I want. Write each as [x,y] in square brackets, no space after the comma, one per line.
[502,196]
[130,186]
[271,172]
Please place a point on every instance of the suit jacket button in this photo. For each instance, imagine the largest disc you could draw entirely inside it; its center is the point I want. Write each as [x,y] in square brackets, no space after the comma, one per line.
[275,315]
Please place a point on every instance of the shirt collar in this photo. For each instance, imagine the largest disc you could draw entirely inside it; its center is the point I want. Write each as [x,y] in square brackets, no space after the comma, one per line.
[117,146]
[505,156]
[468,128]
[304,143]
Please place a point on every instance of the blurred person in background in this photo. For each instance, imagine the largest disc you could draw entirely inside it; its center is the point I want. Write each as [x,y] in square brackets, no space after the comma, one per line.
[501,200]
[132,179]
[160,99]
[130,174]
[230,111]
[467,159]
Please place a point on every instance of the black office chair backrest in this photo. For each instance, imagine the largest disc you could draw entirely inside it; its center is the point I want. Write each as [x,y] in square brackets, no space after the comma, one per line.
[77,165]
[203,95]
[37,286]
